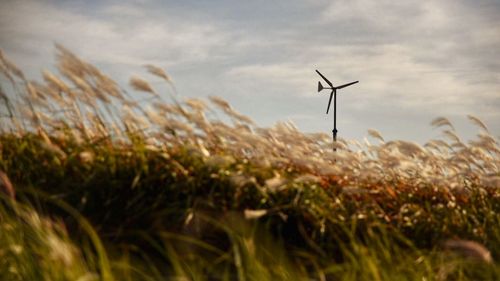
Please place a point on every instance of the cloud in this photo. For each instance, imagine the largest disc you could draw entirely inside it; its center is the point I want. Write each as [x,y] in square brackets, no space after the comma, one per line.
[123,34]
[415,59]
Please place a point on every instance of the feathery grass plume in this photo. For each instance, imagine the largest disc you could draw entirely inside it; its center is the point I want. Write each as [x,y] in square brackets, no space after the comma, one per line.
[407,148]
[141,85]
[254,214]
[157,71]
[469,249]
[178,126]
[226,108]
[55,95]
[103,82]
[54,81]
[242,118]
[452,135]
[11,67]
[36,97]
[71,66]
[477,122]
[488,142]
[7,103]
[5,71]
[81,84]
[67,62]
[154,117]
[441,144]
[442,121]
[196,104]
[109,86]
[375,134]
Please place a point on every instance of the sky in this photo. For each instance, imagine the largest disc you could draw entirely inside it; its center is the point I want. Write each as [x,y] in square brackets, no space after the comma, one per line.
[415,60]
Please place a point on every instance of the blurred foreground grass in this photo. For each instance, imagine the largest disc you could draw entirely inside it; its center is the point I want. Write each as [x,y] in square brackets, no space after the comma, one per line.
[109,188]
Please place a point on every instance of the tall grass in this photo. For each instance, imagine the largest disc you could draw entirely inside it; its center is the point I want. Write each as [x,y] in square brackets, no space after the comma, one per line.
[110,186]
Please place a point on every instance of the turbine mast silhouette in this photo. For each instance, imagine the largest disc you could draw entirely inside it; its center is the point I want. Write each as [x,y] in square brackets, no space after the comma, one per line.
[334,95]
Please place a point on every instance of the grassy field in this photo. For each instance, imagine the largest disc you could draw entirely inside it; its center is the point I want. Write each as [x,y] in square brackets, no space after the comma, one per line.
[97,185]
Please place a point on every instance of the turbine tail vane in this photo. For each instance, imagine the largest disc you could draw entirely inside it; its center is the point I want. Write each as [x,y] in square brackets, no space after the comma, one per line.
[320,87]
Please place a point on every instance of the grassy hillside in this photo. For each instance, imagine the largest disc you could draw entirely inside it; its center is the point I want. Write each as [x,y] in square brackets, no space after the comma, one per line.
[97,185]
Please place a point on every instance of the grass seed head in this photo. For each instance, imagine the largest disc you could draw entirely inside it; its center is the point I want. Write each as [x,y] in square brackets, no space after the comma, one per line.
[141,85]
[157,71]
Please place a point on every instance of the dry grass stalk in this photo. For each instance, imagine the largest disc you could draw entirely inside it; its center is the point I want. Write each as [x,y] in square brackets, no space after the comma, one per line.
[6,186]
[469,249]
[8,66]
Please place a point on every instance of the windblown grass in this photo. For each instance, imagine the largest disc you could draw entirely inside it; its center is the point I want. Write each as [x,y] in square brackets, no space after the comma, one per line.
[114,188]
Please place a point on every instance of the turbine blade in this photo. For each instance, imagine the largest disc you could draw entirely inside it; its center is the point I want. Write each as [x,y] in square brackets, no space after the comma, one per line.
[326,80]
[345,85]
[329,103]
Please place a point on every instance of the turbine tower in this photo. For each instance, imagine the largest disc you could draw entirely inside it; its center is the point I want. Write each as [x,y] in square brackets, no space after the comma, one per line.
[334,95]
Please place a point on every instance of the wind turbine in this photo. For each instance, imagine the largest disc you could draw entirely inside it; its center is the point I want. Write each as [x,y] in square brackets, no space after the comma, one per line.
[334,95]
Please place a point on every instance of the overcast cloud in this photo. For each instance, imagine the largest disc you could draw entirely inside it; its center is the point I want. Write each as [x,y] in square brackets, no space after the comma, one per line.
[416,60]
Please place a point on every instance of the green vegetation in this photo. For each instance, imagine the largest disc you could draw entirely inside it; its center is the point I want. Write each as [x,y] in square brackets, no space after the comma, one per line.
[109,188]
